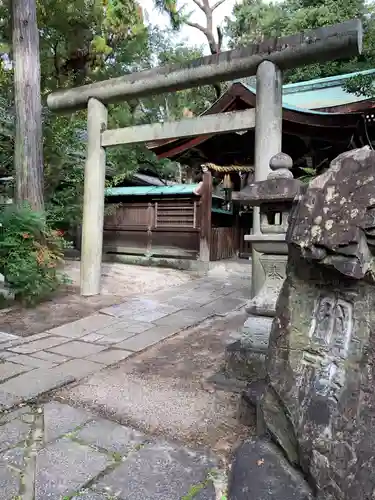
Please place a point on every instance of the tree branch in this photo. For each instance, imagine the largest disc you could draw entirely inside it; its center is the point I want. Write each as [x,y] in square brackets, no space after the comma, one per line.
[219,38]
[200,28]
[198,4]
[217,4]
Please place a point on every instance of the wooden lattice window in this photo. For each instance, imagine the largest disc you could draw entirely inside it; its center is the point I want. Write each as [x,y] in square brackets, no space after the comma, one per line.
[175,213]
[126,215]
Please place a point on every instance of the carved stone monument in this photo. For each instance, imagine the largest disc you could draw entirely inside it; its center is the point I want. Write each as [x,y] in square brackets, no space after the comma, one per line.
[318,405]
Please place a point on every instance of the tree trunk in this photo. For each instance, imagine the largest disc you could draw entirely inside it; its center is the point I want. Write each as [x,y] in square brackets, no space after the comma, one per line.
[28,155]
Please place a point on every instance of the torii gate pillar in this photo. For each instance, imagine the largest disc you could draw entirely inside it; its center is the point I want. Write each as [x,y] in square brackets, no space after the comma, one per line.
[268,135]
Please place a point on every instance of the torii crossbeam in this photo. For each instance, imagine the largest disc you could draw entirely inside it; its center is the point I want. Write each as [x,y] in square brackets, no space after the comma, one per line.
[267,60]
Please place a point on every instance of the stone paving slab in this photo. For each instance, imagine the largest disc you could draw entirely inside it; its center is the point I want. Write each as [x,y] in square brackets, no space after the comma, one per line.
[137,307]
[29,361]
[66,466]
[60,419]
[110,356]
[223,306]
[8,370]
[12,433]
[77,368]
[83,326]
[124,327]
[89,495]
[40,363]
[30,385]
[39,345]
[159,471]
[56,359]
[9,482]
[148,338]
[14,457]
[111,437]
[8,400]
[77,349]
[183,319]
[5,337]
[86,457]
[12,415]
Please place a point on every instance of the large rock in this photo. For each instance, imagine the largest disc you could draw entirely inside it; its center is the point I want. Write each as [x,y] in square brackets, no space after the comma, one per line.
[261,472]
[319,404]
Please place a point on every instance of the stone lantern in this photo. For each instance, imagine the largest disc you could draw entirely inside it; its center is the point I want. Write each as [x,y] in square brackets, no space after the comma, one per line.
[274,197]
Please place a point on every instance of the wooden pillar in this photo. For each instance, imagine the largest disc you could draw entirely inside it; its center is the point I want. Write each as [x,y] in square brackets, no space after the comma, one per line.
[205,216]
[93,201]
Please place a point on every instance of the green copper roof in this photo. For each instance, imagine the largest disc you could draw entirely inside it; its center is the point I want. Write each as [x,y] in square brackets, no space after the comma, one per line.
[177,189]
[319,93]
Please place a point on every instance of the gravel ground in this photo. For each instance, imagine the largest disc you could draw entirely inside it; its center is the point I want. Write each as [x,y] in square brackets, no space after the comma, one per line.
[166,390]
[118,282]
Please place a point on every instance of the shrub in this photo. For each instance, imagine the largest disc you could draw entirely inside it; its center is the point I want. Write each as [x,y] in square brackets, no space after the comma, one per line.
[31,254]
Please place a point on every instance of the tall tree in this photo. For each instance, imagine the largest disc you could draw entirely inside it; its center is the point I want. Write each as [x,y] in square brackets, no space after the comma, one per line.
[83,41]
[182,15]
[28,154]
[255,20]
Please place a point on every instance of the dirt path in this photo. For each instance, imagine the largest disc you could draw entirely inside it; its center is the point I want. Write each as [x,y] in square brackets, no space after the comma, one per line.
[119,281]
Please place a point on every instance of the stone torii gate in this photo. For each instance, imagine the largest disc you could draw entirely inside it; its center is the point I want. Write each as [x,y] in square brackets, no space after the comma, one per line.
[266,60]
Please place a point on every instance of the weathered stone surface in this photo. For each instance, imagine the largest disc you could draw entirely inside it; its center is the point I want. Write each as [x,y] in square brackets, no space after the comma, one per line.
[249,402]
[14,457]
[159,472]
[110,356]
[60,419]
[64,467]
[91,337]
[245,361]
[269,191]
[29,361]
[111,437]
[89,495]
[8,416]
[260,472]
[77,349]
[12,433]
[5,337]
[29,385]
[264,303]
[334,224]
[75,369]
[319,368]
[223,306]
[9,483]
[124,328]
[183,319]
[143,310]
[38,345]
[319,405]
[256,333]
[84,326]
[50,356]
[148,338]
[8,400]
[5,355]
[8,370]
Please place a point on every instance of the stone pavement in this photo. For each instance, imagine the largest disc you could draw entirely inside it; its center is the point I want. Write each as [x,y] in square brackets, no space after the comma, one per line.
[40,363]
[56,452]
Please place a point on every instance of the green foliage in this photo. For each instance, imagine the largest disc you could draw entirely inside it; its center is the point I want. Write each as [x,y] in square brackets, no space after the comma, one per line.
[64,135]
[255,20]
[170,8]
[30,254]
